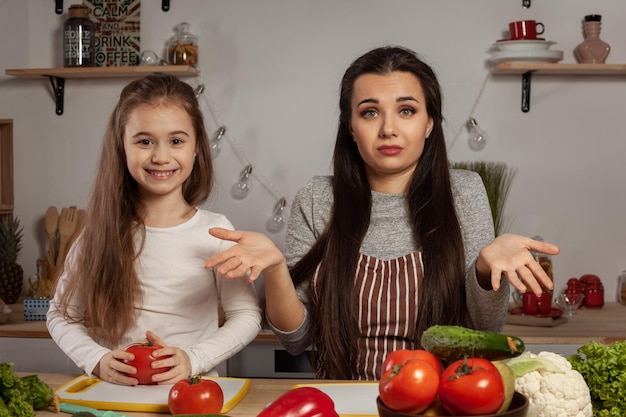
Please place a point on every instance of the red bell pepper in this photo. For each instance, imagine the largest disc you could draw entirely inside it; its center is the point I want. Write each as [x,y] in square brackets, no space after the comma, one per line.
[301,402]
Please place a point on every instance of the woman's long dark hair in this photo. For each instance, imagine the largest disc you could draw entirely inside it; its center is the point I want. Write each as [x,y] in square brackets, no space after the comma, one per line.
[436,229]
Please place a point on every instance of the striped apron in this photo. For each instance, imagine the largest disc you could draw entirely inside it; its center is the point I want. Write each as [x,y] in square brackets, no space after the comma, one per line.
[387,303]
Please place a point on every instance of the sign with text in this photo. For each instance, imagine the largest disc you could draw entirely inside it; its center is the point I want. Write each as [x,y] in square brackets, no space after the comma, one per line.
[117,31]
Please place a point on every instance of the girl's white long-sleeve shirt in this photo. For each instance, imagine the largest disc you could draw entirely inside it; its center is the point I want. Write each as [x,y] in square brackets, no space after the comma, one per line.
[180,300]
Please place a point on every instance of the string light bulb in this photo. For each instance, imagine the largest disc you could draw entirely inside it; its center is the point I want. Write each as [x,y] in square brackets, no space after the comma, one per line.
[216,143]
[242,187]
[277,221]
[199,90]
[477,138]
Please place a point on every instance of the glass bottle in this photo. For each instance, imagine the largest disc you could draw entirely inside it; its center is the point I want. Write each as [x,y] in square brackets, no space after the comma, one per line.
[182,48]
[79,37]
[592,50]
[621,288]
[545,261]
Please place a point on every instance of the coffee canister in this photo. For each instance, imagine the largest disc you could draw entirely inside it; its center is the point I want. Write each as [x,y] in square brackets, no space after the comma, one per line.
[78,38]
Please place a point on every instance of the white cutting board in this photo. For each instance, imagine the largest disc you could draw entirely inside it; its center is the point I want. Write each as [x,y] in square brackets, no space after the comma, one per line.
[96,393]
[352,399]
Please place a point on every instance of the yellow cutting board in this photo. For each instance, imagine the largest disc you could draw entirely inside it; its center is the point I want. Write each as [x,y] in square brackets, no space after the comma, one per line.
[96,393]
[352,399]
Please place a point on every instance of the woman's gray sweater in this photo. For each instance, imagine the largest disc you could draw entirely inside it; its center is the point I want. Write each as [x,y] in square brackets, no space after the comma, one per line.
[390,236]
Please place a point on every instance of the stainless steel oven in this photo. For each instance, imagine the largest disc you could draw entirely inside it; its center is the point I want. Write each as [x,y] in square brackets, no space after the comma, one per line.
[262,359]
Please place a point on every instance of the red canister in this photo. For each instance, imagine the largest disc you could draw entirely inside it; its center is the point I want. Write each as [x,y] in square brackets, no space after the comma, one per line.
[594,295]
[574,286]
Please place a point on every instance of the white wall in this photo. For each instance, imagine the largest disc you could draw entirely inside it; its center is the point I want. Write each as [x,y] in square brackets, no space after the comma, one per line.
[272,70]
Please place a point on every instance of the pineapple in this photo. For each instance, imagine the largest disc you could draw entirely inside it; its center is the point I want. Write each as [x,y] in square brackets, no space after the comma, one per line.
[11,273]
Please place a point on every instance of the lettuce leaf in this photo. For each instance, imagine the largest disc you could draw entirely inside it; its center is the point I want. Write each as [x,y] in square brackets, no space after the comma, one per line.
[604,369]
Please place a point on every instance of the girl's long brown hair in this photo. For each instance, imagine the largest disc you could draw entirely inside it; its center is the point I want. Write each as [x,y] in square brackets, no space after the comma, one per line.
[436,228]
[103,271]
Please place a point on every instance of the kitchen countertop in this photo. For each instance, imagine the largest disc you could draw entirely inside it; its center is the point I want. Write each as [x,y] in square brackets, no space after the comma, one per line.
[603,325]
[260,393]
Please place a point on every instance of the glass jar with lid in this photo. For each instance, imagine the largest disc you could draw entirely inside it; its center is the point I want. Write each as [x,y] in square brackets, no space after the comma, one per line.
[79,37]
[545,261]
[621,288]
[182,48]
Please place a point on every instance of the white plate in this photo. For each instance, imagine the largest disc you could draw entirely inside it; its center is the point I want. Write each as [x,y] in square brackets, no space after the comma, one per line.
[524,45]
[527,56]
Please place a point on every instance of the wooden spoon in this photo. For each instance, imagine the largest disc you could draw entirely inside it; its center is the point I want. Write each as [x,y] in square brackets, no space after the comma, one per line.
[52,222]
[80,221]
[67,225]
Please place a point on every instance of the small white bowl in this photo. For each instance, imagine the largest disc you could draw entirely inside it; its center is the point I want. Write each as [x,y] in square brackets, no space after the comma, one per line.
[523,45]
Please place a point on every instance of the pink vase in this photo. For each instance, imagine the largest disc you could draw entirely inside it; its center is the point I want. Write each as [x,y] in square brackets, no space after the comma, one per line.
[592,50]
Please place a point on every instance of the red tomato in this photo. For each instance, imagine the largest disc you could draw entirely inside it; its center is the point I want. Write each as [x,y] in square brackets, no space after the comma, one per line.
[470,387]
[143,362]
[195,395]
[398,357]
[409,387]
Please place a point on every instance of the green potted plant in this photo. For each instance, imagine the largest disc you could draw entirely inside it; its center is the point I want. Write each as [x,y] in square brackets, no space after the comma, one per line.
[497,177]
[11,273]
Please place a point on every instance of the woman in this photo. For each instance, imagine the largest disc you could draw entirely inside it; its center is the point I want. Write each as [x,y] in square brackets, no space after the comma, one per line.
[394,241]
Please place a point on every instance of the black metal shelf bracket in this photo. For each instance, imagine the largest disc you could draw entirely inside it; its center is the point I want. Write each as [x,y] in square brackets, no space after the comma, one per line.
[58,88]
[165,5]
[526,91]
[526,4]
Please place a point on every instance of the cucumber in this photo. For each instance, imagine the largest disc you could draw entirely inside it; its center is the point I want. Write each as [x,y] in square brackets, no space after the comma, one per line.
[451,343]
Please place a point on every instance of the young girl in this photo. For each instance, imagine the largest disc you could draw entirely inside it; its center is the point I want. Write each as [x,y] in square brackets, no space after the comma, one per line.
[394,241]
[137,270]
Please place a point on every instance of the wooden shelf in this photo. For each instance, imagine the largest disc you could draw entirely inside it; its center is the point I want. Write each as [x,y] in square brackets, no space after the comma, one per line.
[105,72]
[517,68]
[165,5]
[527,69]
[57,76]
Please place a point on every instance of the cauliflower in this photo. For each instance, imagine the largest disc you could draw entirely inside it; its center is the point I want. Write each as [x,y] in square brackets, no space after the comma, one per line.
[552,387]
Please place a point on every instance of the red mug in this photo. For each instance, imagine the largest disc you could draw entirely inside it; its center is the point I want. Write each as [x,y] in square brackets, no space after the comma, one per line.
[525,29]
[537,306]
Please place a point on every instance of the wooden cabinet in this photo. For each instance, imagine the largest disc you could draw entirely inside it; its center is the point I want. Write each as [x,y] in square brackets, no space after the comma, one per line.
[57,76]
[6,167]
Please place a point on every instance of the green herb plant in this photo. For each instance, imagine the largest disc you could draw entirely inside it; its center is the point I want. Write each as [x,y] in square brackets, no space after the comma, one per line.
[498,178]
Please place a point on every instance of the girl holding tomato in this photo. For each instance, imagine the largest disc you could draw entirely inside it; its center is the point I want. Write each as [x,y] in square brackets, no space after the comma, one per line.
[394,241]
[137,270]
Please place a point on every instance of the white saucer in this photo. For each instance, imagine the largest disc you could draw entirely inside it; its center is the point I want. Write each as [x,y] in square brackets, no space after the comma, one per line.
[527,56]
[524,45]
